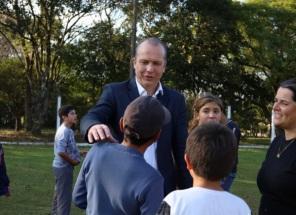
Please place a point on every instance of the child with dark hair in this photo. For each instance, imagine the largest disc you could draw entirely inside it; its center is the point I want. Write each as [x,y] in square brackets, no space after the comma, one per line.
[209,156]
[66,156]
[115,178]
[4,180]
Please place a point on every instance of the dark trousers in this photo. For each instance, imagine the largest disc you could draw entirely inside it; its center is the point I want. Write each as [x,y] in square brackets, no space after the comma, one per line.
[63,190]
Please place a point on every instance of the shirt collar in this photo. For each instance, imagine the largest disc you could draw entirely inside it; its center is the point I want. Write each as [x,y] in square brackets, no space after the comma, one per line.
[143,92]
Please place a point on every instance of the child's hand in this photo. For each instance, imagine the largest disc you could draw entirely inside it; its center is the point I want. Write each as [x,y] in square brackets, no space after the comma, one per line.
[83,153]
[76,162]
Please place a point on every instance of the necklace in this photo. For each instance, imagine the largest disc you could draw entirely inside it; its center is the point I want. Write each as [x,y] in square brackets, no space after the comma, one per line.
[281,150]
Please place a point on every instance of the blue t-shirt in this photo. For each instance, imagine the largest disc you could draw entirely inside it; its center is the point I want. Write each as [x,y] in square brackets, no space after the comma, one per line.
[64,141]
[115,179]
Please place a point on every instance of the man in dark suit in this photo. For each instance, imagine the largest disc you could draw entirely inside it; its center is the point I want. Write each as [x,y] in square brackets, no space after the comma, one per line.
[102,121]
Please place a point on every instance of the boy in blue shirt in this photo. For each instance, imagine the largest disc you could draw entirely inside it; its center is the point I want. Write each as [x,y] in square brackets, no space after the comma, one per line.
[115,178]
[66,156]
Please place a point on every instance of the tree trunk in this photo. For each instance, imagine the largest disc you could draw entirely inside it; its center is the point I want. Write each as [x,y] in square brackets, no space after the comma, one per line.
[133,36]
[28,110]
[17,123]
[40,107]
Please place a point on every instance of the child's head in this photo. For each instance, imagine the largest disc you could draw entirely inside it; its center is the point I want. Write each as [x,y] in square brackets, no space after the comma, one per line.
[207,108]
[211,151]
[65,110]
[143,119]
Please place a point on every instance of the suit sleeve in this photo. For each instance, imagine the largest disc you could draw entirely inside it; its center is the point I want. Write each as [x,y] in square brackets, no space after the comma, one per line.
[180,133]
[100,113]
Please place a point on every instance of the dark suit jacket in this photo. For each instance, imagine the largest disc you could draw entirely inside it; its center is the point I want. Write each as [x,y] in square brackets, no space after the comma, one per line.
[171,144]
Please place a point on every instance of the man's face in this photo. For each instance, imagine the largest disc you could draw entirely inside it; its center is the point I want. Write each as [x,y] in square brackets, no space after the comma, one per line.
[149,65]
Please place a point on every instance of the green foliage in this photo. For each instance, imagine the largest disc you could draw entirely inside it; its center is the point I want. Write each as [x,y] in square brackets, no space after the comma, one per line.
[238,51]
[99,58]
[12,96]
[41,29]
[269,46]
[204,50]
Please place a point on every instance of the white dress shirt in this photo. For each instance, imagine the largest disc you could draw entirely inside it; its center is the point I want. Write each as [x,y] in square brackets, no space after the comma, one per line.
[150,153]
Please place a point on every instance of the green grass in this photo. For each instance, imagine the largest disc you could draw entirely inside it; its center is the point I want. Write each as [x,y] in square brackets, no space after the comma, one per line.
[245,183]
[256,140]
[32,182]
[47,135]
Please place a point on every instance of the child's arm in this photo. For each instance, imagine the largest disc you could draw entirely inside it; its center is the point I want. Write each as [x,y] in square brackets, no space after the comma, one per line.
[67,158]
[164,209]
[83,153]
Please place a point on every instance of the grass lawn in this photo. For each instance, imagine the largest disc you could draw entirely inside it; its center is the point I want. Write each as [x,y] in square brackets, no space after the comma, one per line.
[30,172]
[32,182]
[255,140]
[245,183]
[47,135]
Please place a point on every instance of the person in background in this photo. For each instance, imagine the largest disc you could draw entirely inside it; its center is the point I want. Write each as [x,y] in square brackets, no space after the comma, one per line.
[210,153]
[66,156]
[228,181]
[101,121]
[277,175]
[209,108]
[4,180]
[115,178]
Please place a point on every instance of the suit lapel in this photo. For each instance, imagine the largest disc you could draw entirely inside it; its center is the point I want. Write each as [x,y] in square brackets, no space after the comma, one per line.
[163,98]
[133,92]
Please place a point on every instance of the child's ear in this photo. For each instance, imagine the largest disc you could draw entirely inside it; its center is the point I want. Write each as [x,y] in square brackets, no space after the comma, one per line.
[187,161]
[121,124]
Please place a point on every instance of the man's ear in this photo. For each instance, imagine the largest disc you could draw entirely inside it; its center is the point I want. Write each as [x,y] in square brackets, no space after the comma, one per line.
[187,161]
[121,124]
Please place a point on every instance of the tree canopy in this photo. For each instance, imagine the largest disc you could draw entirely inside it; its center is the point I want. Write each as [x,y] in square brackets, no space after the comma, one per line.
[238,51]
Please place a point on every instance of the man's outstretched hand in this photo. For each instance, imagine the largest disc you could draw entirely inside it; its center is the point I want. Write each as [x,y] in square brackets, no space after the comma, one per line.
[100,132]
